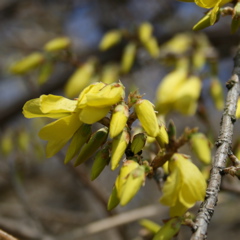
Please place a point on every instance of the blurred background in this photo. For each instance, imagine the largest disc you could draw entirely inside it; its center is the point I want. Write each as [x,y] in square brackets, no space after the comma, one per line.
[45,199]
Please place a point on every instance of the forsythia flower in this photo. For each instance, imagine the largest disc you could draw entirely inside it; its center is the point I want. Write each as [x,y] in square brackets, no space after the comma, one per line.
[215,4]
[184,186]
[92,105]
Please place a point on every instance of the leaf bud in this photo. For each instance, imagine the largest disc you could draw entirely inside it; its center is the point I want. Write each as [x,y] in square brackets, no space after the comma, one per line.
[138,142]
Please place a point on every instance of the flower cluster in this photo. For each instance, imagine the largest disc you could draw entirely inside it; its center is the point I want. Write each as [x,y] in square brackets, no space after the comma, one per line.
[184,186]
[93,104]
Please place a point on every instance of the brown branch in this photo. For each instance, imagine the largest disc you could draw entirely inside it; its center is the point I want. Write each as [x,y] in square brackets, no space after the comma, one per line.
[6,236]
[223,145]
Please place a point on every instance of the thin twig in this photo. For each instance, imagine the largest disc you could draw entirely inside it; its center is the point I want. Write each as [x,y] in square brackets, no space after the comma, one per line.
[111,222]
[223,147]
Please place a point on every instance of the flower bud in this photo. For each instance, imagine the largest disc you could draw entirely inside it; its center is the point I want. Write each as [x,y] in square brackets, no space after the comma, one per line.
[119,145]
[110,73]
[152,47]
[201,147]
[236,18]
[133,183]
[27,64]
[167,89]
[138,142]
[120,182]
[169,230]
[96,141]
[101,159]
[238,108]
[113,200]
[45,72]
[216,92]
[128,57]
[110,39]
[162,137]
[57,44]
[80,137]
[79,79]
[145,31]
[147,117]
[150,225]
[188,93]
[118,120]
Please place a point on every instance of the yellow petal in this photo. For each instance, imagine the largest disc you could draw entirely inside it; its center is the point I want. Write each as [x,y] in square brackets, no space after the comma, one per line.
[107,96]
[52,103]
[48,106]
[59,132]
[91,115]
[93,88]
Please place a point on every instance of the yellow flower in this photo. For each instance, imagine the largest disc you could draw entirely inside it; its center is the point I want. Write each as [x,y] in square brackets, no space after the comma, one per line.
[184,186]
[93,104]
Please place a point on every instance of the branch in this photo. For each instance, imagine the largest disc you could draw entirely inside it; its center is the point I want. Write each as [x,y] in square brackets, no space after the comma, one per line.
[111,222]
[6,236]
[223,145]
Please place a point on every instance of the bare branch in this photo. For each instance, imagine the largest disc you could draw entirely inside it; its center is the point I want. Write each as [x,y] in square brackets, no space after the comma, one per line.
[223,145]
[6,236]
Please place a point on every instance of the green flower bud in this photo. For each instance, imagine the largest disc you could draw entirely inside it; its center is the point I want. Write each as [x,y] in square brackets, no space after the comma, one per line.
[101,159]
[236,18]
[169,230]
[113,200]
[138,142]
[96,141]
[80,137]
